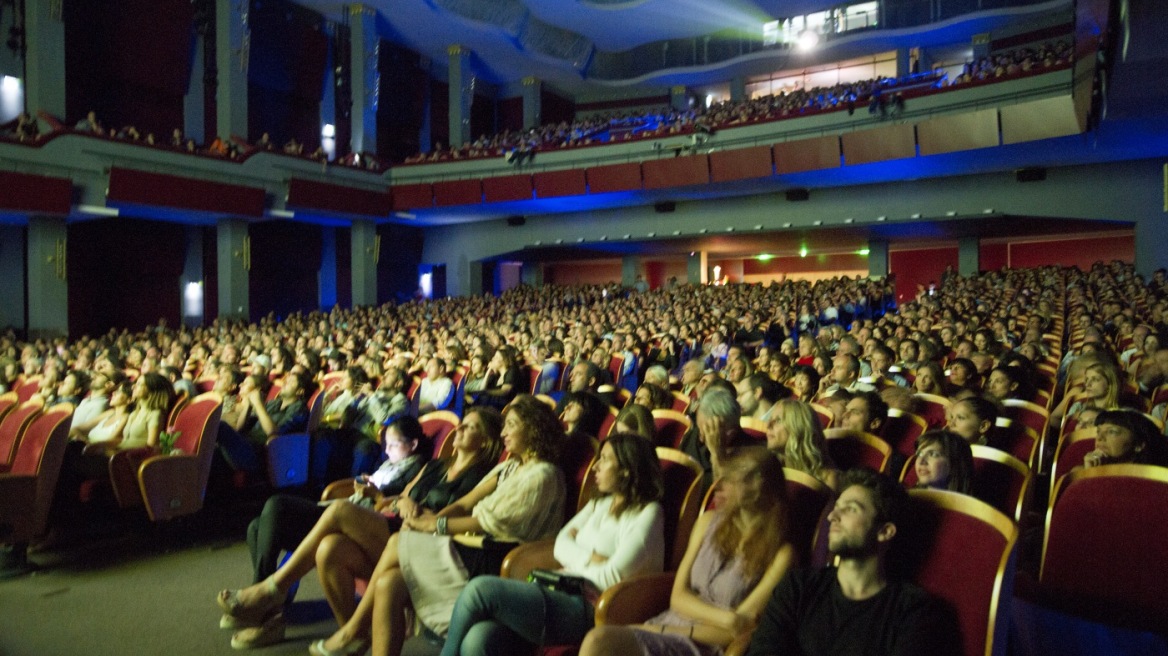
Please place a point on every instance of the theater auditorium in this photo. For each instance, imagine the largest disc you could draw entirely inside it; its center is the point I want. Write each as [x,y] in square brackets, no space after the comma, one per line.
[583,327]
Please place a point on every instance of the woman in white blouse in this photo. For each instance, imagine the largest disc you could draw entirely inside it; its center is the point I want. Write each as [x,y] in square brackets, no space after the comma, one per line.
[615,536]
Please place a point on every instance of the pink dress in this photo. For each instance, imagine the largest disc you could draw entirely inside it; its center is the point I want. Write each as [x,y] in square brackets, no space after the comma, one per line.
[716,581]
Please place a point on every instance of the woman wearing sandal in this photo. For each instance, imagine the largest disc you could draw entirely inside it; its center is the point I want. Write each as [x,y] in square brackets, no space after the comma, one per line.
[618,534]
[348,539]
[521,500]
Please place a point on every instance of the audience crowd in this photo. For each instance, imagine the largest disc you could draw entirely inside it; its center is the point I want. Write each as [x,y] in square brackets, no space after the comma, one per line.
[757,369]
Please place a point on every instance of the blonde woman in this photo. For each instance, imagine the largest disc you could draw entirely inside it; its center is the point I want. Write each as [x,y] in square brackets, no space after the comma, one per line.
[1100,389]
[794,435]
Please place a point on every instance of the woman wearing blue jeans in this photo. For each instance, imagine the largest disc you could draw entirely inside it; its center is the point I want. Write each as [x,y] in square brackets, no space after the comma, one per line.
[617,535]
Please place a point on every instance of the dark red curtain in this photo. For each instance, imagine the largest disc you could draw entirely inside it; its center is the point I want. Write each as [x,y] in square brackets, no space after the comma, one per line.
[129,61]
[285,265]
[439,113]
[397,272]
[555,109]
[123,273]
[402,105]
[289,50]
[344,267]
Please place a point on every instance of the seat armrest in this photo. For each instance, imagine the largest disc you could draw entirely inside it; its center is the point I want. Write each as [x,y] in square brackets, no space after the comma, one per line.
[123,469]
[338,489]
[170,486]
[739,645]
[526,557]
[635,599]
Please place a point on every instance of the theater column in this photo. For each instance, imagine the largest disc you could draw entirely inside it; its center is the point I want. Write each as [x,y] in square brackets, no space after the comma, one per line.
[48,287]
[234,264]
[532,274]
[474,280]
[327,277]
[232,48]
[877,258]
[194,101]
[532,102]
[697,268]
[677,98]
[366,253]
[191,280]
[630,269]
[44,84]
[737,89]
[364,53]
[968,256]
[461,90]
[1151,236]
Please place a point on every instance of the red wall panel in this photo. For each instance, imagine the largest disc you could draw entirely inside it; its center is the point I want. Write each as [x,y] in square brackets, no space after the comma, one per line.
[570,182]
[508,187]
[741,164]
[35,193]
[993,257]
[598,272]
[1073,252]
[795,264]
[614,177]
[807,155]
[676,172]
[458,192]
[412,196]
[919,267]
[158,190]
[337,198]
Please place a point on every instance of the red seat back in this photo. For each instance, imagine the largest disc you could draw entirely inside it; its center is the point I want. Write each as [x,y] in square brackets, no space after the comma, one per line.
[961,550]
[1105,550]
[12,429]
[682,502]
[671,427]
[851,449]
[438,426]
[809,501]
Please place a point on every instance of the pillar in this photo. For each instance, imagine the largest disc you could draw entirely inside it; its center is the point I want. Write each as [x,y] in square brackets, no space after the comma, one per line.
[328,101]
[194,101]
[365,247]
[696,268]
[981,45]
[234,263]
[1151,235]
[737,89]
[328,268]
[424,132]
[903,62]
[877,258]
[44,84]
[232,45]
[968,256]
[191,286]
[532,102]
[12,270]
[461,91]
[475,285]
[630,268]
[48,272]
[532,274]
[678,99]
[364,53]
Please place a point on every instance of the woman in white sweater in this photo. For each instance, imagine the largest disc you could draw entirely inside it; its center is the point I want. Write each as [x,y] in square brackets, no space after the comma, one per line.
[615,536]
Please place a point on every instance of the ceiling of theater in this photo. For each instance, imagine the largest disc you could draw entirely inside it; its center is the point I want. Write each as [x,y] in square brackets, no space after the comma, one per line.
[579,43]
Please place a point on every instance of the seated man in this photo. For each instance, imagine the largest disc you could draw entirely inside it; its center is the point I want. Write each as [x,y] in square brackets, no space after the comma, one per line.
[845,375]
[287,413]
[437,390]
[715,433]
[757,394]
[865,412]
[856,607]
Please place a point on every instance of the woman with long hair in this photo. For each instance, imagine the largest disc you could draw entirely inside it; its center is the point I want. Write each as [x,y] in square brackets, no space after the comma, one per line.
[1100,389]
[972,418]
[152,397]
[1127,436]
[796,438]
[636,419]
[944,461]
[616,535]
[520,500]
[736,556]
[347,539]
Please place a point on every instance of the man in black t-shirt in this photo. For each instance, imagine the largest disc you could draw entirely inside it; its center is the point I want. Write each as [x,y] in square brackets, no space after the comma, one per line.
[855,608]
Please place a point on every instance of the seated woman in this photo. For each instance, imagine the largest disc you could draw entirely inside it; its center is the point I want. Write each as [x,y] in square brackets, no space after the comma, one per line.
[972,418]
[636,419]
[1100,389]
[963,376]
[1127,436]
[346,531]
[152,396]
[929,379]
[944,462]
[617,535]
[503,380]
[520,500]
[795,437]
[111,423]
[736,556]
[653,397]
[1006,382]
[805,383]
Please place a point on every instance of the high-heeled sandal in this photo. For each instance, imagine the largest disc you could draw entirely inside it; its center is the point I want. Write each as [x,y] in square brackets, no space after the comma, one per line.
[253,615]
[356,647]
[268,633]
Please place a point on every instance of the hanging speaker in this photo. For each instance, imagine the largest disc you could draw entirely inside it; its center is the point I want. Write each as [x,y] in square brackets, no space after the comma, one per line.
[516,221]
[795,195]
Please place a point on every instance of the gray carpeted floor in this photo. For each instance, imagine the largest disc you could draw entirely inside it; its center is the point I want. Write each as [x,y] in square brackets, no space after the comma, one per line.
[128,595]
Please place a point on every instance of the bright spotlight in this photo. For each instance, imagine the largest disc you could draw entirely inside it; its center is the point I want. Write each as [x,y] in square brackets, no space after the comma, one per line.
[808,39]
